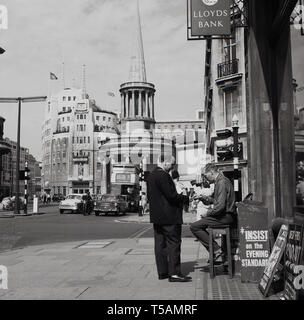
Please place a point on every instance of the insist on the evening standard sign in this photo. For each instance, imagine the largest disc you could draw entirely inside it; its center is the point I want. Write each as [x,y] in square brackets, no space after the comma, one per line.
[210,17]
[292,259]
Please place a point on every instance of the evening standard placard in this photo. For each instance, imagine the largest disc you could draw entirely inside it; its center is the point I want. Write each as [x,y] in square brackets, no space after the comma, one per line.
[292,259]
[274,259]
[210,17]
[254,247]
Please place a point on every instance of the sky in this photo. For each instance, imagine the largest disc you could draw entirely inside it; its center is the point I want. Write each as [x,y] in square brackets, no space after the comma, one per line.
[99,33]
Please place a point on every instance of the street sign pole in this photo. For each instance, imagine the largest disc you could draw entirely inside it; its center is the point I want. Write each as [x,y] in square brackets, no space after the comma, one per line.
[25,187]
[18,160]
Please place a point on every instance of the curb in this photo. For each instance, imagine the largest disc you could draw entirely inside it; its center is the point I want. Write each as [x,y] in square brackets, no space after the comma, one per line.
[7,215]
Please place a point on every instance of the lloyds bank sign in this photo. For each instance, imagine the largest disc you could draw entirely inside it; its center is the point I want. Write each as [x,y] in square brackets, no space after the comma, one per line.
[210,17]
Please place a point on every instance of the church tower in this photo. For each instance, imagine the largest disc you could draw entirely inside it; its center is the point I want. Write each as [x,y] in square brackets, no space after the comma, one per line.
[137,95]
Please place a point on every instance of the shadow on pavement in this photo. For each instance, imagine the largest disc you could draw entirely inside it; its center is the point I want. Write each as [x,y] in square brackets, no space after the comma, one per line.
[188,267]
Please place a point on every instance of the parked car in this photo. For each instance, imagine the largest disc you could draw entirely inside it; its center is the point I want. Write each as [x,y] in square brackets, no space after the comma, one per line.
[7,203]
[108,203]
[74,202]
[58,197]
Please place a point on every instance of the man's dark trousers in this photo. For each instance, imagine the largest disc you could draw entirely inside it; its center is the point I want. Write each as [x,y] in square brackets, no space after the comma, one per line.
[167,249]
[199,228]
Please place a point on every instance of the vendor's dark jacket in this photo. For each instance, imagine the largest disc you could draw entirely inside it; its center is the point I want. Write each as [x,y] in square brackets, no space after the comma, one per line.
[166,205]
[223,198]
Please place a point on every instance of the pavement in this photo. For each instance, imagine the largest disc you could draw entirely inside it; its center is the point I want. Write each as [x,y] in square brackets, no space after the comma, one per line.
[115,269]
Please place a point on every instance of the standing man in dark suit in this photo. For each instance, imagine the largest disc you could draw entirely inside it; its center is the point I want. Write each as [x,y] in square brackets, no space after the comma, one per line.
[166,207]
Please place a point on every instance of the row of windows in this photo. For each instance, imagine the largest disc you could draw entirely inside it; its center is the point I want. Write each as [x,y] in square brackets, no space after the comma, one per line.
[81,140]
[173,126]
[68,119]
[103,118]
[69,98]
[64,109]
[81,127]
[81,116]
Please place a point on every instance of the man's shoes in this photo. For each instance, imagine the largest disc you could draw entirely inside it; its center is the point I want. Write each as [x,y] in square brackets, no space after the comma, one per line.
[179,278]
[163,276]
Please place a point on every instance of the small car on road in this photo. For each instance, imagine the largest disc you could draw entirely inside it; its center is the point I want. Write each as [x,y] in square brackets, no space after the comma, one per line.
[74,202]
[108,203]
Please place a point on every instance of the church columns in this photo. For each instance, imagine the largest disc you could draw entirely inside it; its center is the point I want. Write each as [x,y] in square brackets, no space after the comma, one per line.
[152,105]
[146,105]
[133,104]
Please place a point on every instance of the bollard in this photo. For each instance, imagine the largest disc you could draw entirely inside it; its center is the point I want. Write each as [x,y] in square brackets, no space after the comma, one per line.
[35,205]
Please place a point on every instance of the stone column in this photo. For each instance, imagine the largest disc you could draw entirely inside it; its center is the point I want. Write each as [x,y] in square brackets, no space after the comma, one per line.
[150,105]
[153,105]
[140,107]
[270,112]
[133,104]
[146,104]
[127,103]
[123,114]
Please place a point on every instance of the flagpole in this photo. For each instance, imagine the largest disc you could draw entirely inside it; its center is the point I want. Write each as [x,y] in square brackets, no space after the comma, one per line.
[49,86]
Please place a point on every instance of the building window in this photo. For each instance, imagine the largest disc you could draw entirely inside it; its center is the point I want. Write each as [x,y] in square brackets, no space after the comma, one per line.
[88,139]
[68,118]
[104,118]
[74,98]
[84,116]
[232,106]
[84,139]
[109,119]
[97,118]
[69,108]
[63,98]
[69,98]
[229,47]
[81,116]
[63,109]
[64,191]
[77,140]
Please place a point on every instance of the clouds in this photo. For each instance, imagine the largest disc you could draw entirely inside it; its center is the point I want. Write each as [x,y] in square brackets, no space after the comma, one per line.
[98,33]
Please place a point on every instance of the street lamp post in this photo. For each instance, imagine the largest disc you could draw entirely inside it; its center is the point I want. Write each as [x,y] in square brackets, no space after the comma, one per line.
[235,133]
[19,100]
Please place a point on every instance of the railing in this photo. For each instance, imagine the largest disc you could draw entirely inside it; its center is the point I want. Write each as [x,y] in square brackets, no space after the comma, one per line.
[61,131]
[228,68]
[63,112]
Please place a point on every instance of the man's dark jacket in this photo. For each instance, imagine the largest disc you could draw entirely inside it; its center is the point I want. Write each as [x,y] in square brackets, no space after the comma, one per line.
[166,205]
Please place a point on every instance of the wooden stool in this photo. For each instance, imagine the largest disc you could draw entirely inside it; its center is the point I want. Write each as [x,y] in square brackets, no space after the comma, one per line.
[225,231]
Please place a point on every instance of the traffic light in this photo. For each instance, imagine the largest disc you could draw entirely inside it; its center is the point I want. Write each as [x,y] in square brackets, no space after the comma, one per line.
[141,175]
[22,174]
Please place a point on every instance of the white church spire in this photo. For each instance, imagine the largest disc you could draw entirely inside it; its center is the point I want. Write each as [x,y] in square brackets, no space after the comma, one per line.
[138,68]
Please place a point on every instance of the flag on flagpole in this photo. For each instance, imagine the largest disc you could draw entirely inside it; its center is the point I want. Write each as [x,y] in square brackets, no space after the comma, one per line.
[53,76]
[111,94]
